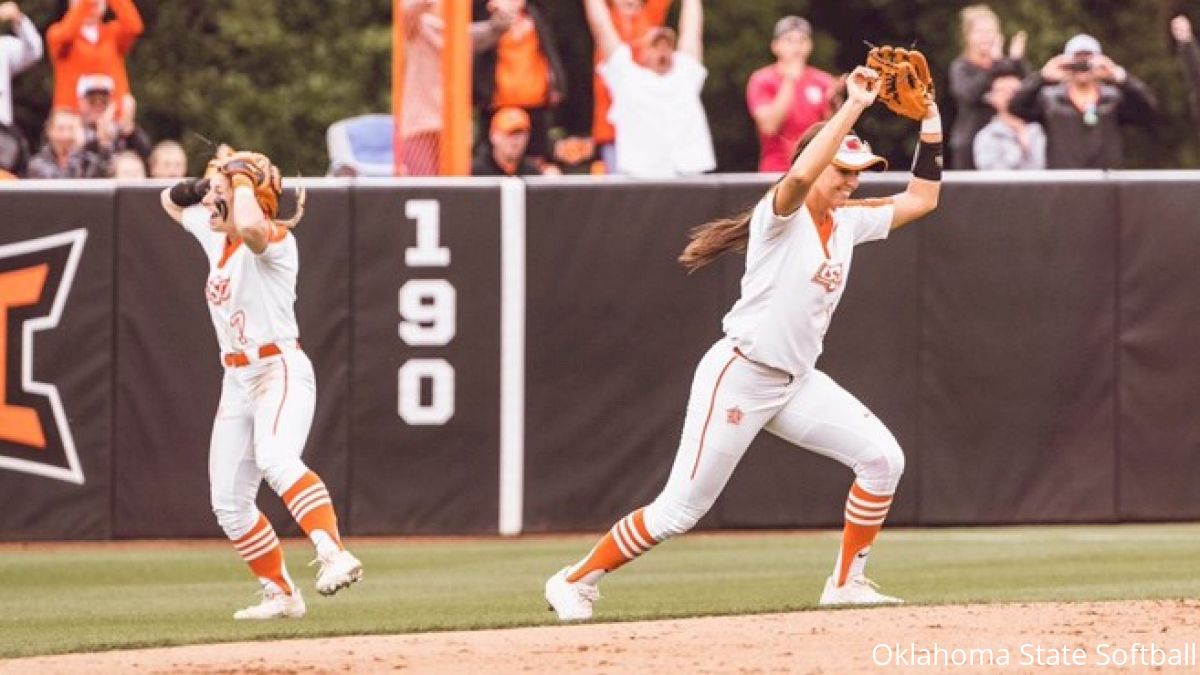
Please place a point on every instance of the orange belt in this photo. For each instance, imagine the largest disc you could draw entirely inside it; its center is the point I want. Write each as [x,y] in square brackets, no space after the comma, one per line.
[239,359]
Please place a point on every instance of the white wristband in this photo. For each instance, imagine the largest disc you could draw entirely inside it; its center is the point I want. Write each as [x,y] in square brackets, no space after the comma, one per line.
[931,125]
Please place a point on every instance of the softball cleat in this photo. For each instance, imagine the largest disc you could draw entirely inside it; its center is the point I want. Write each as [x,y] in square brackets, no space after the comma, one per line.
[857,590]
[275,605]
[338,570]
[572,601]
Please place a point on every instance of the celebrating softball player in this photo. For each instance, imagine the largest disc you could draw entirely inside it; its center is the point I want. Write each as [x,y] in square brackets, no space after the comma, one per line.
[798,241]
[269,391]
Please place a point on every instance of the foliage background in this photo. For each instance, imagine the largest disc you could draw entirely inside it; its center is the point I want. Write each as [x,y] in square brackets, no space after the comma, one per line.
[273,74]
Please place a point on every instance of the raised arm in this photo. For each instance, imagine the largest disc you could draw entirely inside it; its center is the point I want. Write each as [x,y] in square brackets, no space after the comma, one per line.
[251,223]
[923,190]
[603,31]
[63,33]
[129,23]
[691,29]
[861,88]
[26,49]
[181,195]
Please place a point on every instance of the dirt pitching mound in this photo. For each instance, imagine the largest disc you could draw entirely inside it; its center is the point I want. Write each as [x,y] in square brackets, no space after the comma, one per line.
[1036,637]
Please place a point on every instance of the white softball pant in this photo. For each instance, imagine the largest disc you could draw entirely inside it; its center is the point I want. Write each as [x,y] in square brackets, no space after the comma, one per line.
[732,399]
[260,429]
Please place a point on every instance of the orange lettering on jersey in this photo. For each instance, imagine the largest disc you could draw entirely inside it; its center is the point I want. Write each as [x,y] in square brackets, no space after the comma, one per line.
[19,288]
[829,276]
[217,290]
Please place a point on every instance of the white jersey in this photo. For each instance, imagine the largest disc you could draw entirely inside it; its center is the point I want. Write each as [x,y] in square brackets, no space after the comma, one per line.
[251,298]
[793,282]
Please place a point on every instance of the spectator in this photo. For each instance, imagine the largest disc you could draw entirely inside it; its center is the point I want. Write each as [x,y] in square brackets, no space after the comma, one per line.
[14,150]
[632,19]
[168,160]
[1189,60]
[971,75]
[1081,98]
[421,118]
[660,122]
[361,144]
[126,165]
[80,43]
[105,126]
[17,52]
[522,69]
[63,155]
[506,152]
[788,96]
[1008,142]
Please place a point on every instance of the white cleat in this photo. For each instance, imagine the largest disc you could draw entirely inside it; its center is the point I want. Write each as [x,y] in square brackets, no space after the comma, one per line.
[572,601]
[275,605]
[338,570]
[857,590]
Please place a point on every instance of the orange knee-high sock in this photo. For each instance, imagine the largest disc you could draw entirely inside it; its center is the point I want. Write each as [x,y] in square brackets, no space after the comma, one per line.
[261,550]
[309,502]
[865,513]
[627,540]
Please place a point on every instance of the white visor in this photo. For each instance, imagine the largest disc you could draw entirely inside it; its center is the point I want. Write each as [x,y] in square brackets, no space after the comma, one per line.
[855,154]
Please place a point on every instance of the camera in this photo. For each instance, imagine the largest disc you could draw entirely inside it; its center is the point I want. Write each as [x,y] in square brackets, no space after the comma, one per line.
[1078,66]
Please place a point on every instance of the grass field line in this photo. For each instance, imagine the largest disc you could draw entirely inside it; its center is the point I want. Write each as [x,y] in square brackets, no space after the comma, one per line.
[97,596]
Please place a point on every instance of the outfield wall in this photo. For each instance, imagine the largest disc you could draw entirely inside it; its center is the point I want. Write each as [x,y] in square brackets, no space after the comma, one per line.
[507,356]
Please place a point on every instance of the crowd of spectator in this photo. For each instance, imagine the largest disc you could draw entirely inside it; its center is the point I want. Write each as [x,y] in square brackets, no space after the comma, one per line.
[92,129]
[648,117]
[649,120]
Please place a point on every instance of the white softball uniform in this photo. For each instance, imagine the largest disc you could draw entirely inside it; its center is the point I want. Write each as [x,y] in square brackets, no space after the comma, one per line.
[762,375]
[268,394]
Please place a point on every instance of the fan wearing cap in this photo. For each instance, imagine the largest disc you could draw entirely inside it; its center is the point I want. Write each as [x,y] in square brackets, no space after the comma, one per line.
[799,241]
[109,128]
[661,127]
[1081,98]
[508,139]
[788,96]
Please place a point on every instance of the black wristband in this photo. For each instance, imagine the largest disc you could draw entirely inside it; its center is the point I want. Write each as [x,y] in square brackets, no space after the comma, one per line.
[927,161]
[189,192]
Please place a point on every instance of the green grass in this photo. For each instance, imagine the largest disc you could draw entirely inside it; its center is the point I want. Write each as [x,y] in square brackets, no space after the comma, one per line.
[71,599]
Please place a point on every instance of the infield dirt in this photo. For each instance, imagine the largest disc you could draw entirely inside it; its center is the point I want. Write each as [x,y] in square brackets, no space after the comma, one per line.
[1027,637]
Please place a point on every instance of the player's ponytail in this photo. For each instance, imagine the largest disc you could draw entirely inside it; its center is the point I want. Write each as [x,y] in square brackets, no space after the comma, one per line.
[715,238]
[718,237]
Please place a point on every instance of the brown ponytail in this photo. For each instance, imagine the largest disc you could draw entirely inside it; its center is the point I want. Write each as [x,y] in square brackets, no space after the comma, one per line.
[718,237]
[715,238]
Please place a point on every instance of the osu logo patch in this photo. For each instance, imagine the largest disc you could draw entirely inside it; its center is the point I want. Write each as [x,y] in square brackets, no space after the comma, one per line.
[35,280]
[829,276]
[734,416]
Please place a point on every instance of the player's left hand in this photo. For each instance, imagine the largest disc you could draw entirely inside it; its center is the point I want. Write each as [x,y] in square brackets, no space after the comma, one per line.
[906,85]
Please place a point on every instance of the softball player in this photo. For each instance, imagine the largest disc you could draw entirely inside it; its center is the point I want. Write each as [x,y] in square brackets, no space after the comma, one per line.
[269,391]
[798,240]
